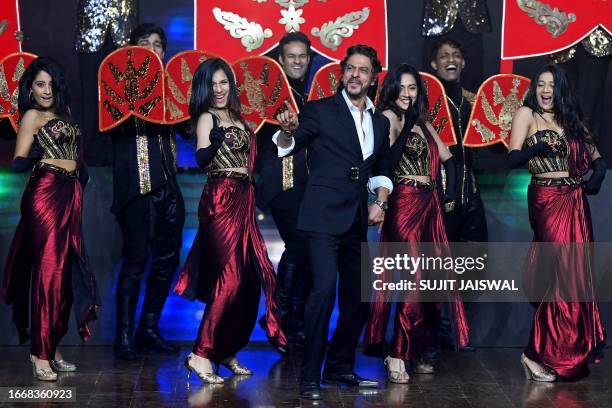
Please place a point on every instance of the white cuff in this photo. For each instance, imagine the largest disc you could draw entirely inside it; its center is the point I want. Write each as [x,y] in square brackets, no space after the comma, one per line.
[282,151]
[376,182]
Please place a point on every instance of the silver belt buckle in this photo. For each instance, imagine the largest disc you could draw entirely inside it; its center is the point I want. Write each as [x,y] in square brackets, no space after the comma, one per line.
[354,173]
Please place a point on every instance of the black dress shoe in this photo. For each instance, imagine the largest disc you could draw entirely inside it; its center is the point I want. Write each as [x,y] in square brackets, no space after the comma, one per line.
[148,337]
[350,379]
[124,349]
[310,390]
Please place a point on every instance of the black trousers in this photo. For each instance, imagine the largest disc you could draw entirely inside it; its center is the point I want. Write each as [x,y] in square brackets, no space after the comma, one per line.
[154,220]
[468,223]
[285,208]
[334,258]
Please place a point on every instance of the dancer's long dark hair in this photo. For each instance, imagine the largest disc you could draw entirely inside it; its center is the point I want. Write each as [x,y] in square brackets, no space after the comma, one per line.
[566,108]
[202,94]
[61,94]
[390,91]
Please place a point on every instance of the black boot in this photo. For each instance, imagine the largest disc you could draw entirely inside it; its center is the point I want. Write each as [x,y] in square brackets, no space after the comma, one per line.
[126,308]
[284,284]
[148,337]
[299,295]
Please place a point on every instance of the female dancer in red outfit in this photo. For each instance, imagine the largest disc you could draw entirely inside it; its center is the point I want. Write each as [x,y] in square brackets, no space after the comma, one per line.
[47,249]
[549,134]
[228,263]
[414,215]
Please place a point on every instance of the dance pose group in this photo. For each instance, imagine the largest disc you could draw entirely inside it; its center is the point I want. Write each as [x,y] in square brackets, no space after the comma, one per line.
[353,149]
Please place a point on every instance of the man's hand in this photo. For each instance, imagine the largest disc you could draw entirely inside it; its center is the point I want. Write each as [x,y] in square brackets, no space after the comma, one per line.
[375,215]
[287,119]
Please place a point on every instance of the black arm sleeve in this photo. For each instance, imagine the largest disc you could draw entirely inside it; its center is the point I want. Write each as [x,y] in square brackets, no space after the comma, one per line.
[593,185]
[517,157]
[205,155]
[21,164]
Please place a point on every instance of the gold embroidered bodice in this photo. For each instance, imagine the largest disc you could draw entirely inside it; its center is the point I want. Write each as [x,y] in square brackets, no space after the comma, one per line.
[59,139]
[415,160]
[234,151]
[558,161]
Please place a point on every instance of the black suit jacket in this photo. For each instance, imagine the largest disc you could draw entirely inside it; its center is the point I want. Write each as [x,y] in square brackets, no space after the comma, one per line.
[332,199]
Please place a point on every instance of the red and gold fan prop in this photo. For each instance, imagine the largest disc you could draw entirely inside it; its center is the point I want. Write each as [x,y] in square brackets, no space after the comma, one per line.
[498,98]
[179,73]
[439,114]
[12,68]
[263,89]
[130,83]
[9,23]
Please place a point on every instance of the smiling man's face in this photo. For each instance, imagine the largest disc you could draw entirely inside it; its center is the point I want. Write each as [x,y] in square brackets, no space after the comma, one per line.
[448,63]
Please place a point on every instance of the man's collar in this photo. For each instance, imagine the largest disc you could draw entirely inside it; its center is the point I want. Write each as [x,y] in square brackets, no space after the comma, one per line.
[368,103]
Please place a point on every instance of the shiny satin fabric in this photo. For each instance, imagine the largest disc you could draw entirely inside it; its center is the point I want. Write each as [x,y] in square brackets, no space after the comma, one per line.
[565,335]
[414,215]
[226,267]
[48,252]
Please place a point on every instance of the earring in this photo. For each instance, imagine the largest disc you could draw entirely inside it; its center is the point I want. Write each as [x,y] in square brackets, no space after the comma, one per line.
[31,97]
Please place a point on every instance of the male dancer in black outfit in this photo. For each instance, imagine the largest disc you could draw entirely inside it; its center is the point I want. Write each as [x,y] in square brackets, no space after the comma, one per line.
[347,141]
[149,207]
[280,184]
[467,223]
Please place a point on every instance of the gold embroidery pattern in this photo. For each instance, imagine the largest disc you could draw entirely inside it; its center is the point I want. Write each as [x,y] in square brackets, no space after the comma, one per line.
[257,100]
[434,112]
[555,20]
[3,26]
[175,111]
[234,152]
[287,172]
[113,110]
[251,34]
[173,150]
[142,158]
[558,161]
[511,103]
[186,75]
[332,33]
[131,88]
[19,70]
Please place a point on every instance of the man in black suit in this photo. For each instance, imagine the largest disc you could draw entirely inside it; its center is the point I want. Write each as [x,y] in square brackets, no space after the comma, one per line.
[280,183]
[347,140]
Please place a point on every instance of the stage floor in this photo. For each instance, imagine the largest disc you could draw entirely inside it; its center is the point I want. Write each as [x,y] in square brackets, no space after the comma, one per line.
[487,378]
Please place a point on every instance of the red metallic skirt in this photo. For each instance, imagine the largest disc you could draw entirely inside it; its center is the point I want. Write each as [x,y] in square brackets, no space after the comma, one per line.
[47,255]
[413,216]
[226,268]
[565,335]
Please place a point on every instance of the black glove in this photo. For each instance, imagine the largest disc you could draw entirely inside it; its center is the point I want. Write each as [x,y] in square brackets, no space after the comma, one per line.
[216,136]
[517,158]
[205,155]
[395,151]
[21,164]
[83,176]
[451,184]
[593,185]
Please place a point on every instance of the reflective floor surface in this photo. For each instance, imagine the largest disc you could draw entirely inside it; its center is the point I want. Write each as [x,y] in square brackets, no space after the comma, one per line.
[486,378]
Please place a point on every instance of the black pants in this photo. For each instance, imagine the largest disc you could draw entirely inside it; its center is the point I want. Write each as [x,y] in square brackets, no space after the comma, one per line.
[285,208]
[154,220]
[333,257]
[468,223]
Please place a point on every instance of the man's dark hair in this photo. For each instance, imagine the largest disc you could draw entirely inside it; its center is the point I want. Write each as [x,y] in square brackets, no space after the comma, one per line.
[146,29]
[363,50]
[294,36]
[439,43]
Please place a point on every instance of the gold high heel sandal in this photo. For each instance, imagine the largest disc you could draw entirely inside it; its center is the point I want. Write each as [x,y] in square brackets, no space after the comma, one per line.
[539,375]
[42,374]
[210,378]
[235,367]
[397,377]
